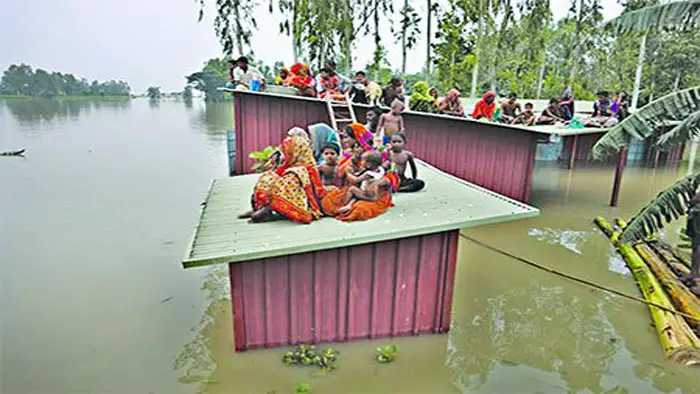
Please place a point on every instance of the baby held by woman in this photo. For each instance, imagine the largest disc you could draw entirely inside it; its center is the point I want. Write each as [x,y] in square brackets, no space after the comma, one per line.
[372,180]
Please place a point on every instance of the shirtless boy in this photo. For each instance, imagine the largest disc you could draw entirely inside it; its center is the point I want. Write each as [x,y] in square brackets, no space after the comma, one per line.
[510,108]
[391,122]
[372,179]
[527,117]
[327,168]
[400,157]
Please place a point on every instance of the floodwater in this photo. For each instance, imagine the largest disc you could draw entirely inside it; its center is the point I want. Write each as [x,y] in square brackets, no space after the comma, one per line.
[95,219]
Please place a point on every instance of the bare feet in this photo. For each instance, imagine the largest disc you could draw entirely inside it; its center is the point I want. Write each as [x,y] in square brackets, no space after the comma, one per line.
[246,215]
[345,209]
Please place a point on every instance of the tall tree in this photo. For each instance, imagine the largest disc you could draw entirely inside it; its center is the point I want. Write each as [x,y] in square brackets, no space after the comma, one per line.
[408,35]
[234,23]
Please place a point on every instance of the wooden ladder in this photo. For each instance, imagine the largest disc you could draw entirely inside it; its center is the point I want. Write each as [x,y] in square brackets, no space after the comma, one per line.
[340,113]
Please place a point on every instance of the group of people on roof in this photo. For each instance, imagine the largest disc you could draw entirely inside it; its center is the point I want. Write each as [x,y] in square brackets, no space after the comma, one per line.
[330,84]
[349,175]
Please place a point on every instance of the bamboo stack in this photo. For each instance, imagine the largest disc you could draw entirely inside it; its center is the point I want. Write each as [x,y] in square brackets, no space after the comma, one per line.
[663,293]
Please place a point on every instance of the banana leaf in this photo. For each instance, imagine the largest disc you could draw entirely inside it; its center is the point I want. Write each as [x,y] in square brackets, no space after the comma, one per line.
[688,129]
[669,205]
[681,15]
[677,106]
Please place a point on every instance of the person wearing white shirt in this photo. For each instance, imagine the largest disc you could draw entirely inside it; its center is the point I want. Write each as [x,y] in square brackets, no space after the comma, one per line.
[243,75]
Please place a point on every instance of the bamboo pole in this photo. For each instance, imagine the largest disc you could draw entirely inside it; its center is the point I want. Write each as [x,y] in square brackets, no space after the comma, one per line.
[672,330]
[677,265]
[680,296]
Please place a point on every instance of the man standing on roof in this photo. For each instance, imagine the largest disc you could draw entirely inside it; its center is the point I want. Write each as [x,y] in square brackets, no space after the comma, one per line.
[246,76]
[345,82]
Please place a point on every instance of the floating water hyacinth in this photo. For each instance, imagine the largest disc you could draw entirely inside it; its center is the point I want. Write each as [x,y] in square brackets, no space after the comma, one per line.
[386,354]
[309,355]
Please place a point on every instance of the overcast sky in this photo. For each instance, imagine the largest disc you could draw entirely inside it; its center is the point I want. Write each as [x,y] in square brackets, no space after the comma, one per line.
[153,42]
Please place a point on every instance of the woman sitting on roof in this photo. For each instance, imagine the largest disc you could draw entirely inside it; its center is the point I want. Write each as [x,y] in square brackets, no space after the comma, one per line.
[329,86]
[353,172]
[291,189]
[301,80]
[451,104]
[485,108]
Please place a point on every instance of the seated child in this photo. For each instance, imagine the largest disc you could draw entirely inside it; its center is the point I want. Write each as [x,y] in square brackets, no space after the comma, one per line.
[327,167]
[399,158]
[391,122]
[551,114]
[372,179]
[527,117]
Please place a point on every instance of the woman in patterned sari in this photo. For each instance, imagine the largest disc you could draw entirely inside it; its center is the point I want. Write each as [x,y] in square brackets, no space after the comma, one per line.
[349,170]
[292,189]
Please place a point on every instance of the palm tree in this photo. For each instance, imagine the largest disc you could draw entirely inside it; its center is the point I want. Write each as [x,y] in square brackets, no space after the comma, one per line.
[683,107]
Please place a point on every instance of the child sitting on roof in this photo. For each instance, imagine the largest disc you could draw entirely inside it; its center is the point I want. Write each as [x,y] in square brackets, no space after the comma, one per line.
[527,117]
[372,180]
[400,158]
[551,114]
[327,168]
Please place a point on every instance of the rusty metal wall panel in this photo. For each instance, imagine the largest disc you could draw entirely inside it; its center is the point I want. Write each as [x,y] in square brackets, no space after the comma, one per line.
[488,155]
[384,289]
[263,120]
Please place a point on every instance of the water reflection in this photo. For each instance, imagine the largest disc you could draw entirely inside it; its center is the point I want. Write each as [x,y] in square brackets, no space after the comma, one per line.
[572,240]
[33,112]
[195,360]
[528,333]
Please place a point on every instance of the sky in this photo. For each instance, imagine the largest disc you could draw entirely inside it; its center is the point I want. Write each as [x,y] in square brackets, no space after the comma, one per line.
[156,42]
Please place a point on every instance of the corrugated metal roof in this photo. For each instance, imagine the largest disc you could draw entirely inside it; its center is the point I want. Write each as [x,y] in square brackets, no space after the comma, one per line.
[447,203]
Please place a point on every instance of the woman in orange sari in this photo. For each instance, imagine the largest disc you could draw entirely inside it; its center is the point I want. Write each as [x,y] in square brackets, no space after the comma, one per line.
[292,189]
[349,170]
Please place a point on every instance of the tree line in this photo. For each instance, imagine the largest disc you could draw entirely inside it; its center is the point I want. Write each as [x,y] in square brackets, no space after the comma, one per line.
[507,45]
[22,80]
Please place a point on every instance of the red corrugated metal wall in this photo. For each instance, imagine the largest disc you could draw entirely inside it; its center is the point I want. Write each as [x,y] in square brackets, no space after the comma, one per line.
[263,120]
[391,288]
[489,155]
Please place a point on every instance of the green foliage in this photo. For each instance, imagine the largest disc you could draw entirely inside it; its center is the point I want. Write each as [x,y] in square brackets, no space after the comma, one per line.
[22,80]
[386,354]
[682,15]
[234,23]
[309,355]
[187,93]
[153,92]
[302,388]
[261,158]
[453,51]
[669,205]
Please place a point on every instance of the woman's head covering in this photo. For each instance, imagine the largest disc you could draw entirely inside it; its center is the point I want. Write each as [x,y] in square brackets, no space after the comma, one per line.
[322,135]
[453,95]
[421,88]
[297,152]
[296,67]
[488,94]
[299,132]
[359,133]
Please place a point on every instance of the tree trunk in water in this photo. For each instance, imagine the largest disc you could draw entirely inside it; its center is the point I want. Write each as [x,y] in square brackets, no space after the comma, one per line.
[477,51]
[638,74]
[680,296]
[428,39]
[540,80]
[673,332]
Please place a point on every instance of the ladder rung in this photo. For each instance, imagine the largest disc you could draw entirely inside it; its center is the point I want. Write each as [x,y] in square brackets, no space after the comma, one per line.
[344,120]
[339,104]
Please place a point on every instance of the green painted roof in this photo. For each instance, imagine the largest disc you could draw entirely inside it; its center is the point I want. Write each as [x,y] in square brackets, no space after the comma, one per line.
[446,203]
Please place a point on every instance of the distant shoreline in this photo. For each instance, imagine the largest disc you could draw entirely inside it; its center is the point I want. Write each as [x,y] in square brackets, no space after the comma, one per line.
[68,98]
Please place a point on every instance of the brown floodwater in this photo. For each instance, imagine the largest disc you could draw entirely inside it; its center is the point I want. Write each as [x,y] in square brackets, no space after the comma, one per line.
[95,219]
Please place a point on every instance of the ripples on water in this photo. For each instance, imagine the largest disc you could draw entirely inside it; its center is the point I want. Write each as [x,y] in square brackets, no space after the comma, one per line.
[96,217]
